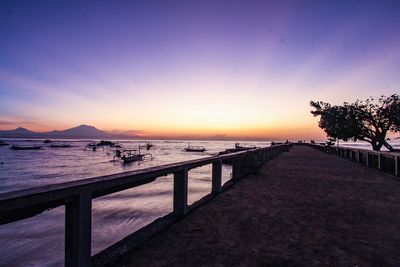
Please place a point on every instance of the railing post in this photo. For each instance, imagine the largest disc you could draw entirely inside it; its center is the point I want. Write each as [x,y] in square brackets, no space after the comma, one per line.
[264,156]
[379,161]
[359,156]
[367,159]
[396,165]
[78,230]
[216,177]
[236,168]
[180,192]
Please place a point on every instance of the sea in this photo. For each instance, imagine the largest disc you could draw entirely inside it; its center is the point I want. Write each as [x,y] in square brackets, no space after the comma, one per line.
[39,241]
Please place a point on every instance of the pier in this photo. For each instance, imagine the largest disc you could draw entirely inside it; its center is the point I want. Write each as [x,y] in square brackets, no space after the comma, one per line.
[304,208]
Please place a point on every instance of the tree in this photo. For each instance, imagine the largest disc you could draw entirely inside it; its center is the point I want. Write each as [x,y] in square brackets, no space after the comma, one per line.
[367,120]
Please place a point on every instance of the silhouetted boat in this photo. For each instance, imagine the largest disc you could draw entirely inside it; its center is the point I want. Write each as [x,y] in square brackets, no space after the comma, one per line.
[47,141]
[131,155]
[148,146]
[18,147]
[60,145]
[190,148]
[104,143]
[2,143]
[237,148]
[116,145]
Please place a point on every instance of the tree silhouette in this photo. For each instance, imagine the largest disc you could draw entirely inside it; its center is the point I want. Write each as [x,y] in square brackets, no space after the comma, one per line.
[367,120]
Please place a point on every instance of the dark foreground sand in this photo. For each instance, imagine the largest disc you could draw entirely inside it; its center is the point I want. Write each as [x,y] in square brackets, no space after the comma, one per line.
[305,208]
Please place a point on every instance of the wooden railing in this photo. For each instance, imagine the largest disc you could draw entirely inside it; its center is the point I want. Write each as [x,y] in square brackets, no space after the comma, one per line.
[77,195]
[382,160]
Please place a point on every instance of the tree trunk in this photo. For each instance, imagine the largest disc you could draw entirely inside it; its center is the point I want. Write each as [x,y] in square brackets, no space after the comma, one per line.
[389,147]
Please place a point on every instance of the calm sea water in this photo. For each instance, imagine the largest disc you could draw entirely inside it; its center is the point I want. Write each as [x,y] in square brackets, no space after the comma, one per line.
[39,241]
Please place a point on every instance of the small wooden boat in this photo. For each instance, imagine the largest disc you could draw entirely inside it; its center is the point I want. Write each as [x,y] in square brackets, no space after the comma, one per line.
[2,143]
[237,148]
[106,143]
[93,146]
[190,148]
[103,143]
[131,155]
[115,145]
[18,147]
[148,146]
[60,145]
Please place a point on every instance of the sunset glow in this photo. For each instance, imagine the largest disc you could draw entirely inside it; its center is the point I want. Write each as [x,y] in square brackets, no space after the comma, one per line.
[244,69]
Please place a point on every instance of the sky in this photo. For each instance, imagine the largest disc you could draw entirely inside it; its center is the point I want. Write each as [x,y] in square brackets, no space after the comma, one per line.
[245,69]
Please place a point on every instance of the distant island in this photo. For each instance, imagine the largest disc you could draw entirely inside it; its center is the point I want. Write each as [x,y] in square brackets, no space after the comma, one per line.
[79,132]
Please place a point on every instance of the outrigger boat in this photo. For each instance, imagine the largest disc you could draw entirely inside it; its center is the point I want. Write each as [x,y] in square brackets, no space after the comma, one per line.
[148,146]
[104,143]
[190,148]
[60,145]
[237,148]
[2,143]
[18,147]
[131,155]
[93,146]
[116,145]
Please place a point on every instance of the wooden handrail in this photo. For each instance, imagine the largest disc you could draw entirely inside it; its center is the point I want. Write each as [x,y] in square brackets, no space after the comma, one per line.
[363,156]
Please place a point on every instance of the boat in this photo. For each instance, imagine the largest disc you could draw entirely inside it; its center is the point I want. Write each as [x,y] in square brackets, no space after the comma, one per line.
[107,143]
[190,148]
[104,143]
[131,155]
[116,145]
[237,148]
[91,145]
[148,146]
[2,143]
[60,145]
[47,141]
[18,147]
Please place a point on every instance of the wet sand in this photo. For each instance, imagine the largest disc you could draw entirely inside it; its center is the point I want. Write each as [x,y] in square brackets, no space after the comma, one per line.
[305,208]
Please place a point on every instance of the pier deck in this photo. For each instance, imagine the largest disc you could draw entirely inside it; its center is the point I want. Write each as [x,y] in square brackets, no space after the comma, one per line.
[305,208]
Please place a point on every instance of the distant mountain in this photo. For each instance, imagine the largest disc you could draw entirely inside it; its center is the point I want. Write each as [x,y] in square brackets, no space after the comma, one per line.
[82,131]
[19,132]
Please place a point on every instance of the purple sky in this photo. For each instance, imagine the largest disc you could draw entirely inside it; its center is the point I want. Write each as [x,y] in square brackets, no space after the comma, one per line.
[182,67]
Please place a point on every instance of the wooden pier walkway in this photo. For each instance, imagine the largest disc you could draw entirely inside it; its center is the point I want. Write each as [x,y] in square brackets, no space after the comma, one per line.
[305,208]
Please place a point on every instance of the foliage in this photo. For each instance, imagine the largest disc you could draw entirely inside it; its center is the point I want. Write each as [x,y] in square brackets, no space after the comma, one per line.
[367,120]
